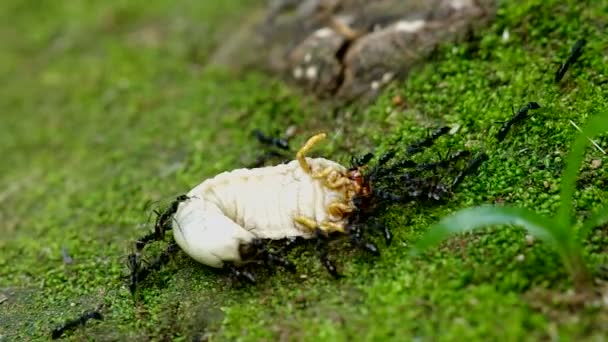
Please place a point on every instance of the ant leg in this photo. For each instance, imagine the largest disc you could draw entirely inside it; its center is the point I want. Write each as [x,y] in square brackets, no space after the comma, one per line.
[142,273]
[323,250]
[290,243]
[388,235]
[471,168]
[444,163]
[161,225]
[74,323]
[427,142]
[257,250]
[384,195]
[357,162]
[386,232]
[134,264]
[273,259]
[356,239]
[143,241]
[162,221]
[241,274]
[390,170]
[387,156]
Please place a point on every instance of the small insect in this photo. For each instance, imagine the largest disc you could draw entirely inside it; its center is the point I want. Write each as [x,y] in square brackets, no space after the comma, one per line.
[427,142]
[271,141]
[139,274]
[281,145]
[307,197]
[361,160]
[134,265]
[161,224]
[471,168]
[575,52]
[445,162]
[74,323]
[521,114]
[387,156]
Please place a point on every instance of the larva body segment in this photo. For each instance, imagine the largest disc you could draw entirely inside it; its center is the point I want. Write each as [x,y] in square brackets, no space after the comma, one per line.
[235,207]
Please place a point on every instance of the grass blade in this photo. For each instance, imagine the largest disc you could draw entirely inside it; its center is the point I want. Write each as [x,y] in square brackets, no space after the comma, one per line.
[595,126]
[472,218]
[598,218]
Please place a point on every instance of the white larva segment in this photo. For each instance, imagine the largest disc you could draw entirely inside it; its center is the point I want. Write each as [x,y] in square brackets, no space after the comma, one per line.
[237,206]
[196,232]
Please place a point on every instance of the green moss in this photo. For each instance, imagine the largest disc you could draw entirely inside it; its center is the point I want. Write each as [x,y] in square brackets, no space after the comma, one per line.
[110,107]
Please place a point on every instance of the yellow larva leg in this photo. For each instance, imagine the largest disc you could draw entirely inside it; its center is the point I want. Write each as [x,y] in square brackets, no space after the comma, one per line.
[339,209]
[306,222]
[332,179]
[335,182]
[325,226]
[300,156]
[331,227]
[324,173]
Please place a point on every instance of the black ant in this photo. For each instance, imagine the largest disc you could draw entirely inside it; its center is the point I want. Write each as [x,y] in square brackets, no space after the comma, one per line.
[239,273]
[280,143]
[471,168]
[427,142]
[355,233]
[161,224]
[444,163]
[74,323]
[360,161]
[322,248]
[258,249]
[271,141]
[387,156]
[134,265]
[521,114]
[139,274]
[575,52]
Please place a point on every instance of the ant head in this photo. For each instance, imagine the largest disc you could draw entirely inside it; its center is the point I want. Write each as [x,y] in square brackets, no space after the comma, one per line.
[363,183]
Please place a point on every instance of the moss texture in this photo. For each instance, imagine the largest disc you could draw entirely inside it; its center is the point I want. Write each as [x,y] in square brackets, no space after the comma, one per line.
[108,108]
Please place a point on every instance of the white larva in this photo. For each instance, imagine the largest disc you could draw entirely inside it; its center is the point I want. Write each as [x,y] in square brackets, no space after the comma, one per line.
[275,202]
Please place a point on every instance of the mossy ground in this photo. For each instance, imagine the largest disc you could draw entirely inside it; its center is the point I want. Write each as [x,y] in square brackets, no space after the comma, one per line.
[107,107]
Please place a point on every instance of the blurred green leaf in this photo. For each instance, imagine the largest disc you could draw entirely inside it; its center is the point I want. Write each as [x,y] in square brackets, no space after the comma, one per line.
[472,218]
[597,219]
[595,126]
